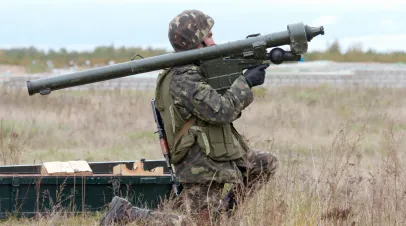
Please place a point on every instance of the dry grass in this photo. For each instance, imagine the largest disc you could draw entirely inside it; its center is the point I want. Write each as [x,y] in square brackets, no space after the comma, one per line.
[87,125]
[341,150]
[11,146]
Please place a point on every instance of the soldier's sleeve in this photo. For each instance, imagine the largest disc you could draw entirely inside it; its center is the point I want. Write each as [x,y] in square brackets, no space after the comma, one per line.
[191,91]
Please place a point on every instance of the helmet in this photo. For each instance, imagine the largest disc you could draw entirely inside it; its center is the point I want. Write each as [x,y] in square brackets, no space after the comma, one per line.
[188,29]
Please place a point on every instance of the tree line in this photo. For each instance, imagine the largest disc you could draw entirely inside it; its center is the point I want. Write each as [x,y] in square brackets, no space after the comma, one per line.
[355,53]
[36,60]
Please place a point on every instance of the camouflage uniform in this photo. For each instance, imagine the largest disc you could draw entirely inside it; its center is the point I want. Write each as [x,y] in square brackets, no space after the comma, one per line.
[211,152]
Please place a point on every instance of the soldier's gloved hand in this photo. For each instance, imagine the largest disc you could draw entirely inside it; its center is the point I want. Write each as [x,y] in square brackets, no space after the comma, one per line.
[255,76]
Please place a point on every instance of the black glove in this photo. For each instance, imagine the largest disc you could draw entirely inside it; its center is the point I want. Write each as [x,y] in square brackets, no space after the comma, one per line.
[255,76]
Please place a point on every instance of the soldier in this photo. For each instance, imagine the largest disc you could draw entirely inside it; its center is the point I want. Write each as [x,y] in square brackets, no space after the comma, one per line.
[206,150]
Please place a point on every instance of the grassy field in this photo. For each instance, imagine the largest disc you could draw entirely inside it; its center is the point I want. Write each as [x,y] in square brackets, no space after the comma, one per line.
[341,149]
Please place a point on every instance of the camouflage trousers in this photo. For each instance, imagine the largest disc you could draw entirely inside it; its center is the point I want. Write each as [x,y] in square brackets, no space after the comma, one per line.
[208,184]
[205,192]
[198,168]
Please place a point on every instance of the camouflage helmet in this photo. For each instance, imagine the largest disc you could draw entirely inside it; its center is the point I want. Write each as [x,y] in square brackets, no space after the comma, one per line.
[188,29]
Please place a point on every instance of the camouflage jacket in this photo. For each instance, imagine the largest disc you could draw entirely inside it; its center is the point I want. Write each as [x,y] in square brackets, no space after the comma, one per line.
[206,151]
[193,96]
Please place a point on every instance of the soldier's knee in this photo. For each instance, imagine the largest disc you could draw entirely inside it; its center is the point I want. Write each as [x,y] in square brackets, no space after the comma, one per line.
[270,164]
[273,164]
[263,162]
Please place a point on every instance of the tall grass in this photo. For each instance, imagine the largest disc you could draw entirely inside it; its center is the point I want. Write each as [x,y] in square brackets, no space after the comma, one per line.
[11,146]
[341,150]
[334,190]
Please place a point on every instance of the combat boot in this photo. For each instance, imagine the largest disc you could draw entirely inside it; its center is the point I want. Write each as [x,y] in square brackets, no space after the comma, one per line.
[121,211]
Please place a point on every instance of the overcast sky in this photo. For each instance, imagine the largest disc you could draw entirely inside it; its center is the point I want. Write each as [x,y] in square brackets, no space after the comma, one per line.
[82,25]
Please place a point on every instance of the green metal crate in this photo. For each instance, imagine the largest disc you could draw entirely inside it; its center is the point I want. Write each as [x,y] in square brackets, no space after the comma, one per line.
[24,191]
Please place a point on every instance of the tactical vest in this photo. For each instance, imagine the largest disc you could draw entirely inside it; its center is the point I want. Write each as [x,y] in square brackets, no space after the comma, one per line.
[219,142]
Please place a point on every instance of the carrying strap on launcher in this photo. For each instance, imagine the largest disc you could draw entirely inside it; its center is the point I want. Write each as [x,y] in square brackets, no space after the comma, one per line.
[185,128]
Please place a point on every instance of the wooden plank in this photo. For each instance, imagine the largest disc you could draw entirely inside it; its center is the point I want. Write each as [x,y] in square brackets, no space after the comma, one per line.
[66,168]
[121,169]
[80,167]
[56,168]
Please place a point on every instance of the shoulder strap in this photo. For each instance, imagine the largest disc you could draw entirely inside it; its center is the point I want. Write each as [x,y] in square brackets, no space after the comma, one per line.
[185,128]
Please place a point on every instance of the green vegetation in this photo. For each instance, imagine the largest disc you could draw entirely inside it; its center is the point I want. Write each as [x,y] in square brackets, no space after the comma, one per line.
[355,54]
[35,60]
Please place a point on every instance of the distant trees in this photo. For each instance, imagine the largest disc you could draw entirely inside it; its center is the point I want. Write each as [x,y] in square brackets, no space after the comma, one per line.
[355,53]
[35,60]
[39,60]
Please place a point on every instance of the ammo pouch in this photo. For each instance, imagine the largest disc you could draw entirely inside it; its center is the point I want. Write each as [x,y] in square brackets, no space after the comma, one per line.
[216,141]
